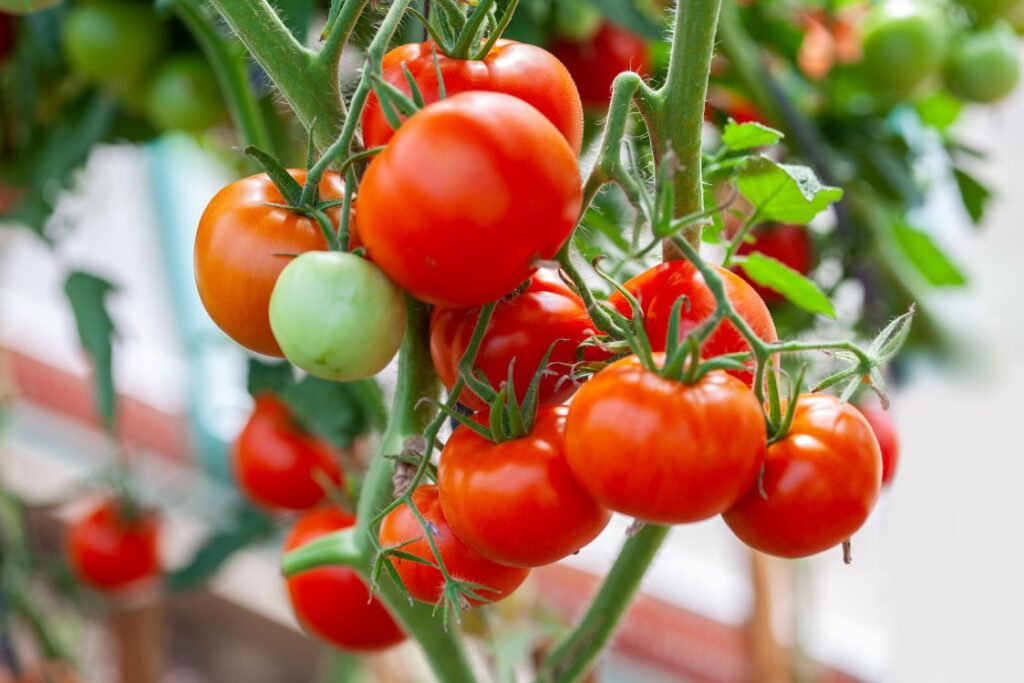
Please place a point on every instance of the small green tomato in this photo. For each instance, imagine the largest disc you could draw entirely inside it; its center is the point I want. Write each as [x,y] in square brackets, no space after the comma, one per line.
[337,316]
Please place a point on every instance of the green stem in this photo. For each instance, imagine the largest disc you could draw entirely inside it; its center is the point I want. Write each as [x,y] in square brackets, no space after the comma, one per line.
[339,31]
[679,117]
[227,59]
[311,88]
[574,656]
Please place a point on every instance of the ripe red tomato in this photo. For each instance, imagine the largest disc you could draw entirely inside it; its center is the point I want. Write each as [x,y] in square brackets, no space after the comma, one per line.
[888,440]
[466,226]
[663,451]
[595,63]
[110,551]
[517,502]
[525,71]
[333,603]
[819,484]
[280,466]
[658,289]
[243,244]
[521,329]
[788,244]
[462,562]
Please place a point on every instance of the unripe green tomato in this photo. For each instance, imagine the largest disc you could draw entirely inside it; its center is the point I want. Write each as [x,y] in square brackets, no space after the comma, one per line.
[991,9]
[575,20]
[184,95]
[904,43]
[113,42]
[337,316]
[984,66]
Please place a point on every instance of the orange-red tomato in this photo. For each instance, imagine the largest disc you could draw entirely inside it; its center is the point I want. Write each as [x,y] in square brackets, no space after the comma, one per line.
[243,244]
[663,451]
[528,72]
[819,484]
[788,244]
[659,288]
[888,440]
[522,328]
[110,551]
[280,466]
[333,603]
[595,63]
[466,198]
[423,582]
[517,502]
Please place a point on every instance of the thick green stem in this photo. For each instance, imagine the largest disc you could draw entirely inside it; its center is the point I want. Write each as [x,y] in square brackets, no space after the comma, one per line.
[679,117]
[311,87]
[576,654]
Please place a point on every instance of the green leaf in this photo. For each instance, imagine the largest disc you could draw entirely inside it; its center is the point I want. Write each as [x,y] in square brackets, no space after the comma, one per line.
[247,527]
[88,296]
[779,277]
[269,377]
[740,136]
[925,255]
[940,109]
[336,411]
[784,193]
[973,193]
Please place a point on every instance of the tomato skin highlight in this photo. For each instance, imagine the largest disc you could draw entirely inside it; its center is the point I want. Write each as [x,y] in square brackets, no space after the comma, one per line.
[657,290]
[440,227]
[278,465]
[516,502]
[333,603]
[596,62]
[663,451]
[110,552]
[426,583]
[789,244]
[888,439]
[525,71]
[522,328]
[820,482]
[241,248]
[357,326]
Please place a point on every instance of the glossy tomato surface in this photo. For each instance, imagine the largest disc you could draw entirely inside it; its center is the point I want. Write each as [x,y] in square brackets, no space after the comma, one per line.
[819,485]
[279,465]
[657,290]
[882,425]
[525,71]
[242,246]
[425,583]
[791,245]
[333,603]
[109,551]
[517,502]
[464,227]
[522,328]
[595,63]
[663,451]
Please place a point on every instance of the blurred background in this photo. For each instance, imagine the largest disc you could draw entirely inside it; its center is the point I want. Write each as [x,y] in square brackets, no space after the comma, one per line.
[105,179]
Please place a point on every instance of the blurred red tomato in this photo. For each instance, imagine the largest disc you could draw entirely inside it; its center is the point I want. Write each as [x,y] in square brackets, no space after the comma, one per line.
[595,63]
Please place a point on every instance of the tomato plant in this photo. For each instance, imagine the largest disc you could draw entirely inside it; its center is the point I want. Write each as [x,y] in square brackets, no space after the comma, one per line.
[333,603]
[243,243]
[546,314]
[184,95]
[278,465]
[353,294]
[888,438]
[660,450]
[594,63]
[658,289]
[984,66]
[514,174]
[400,529]
[904,43]
[111,547]
[113,42]
[525,71]
[791,245]
[819,485]
[516,502]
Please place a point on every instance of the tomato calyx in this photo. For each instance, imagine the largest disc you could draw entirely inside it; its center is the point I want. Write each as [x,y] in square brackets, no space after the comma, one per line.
[462,36]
